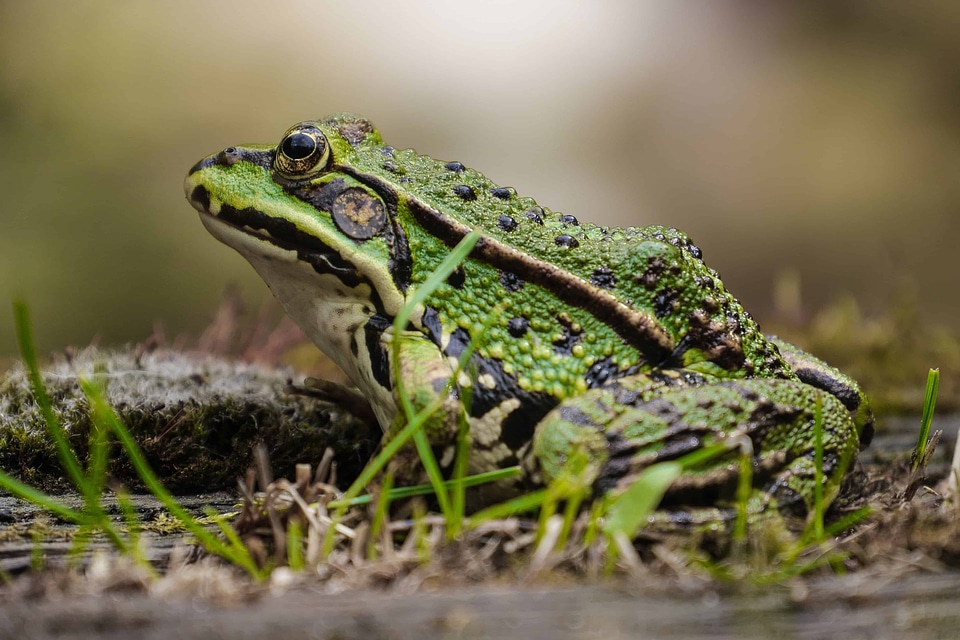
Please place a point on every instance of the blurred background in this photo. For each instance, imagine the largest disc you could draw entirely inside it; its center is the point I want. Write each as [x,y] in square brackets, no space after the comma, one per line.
[810,143]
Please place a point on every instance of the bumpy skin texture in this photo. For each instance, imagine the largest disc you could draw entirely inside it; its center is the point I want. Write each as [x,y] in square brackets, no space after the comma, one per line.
[344,228]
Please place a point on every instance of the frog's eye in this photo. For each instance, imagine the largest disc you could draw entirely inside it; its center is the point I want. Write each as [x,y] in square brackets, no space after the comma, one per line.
[302,152]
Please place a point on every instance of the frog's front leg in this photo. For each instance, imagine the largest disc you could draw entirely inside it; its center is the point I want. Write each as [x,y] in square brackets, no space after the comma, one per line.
[425,374]
[621,437]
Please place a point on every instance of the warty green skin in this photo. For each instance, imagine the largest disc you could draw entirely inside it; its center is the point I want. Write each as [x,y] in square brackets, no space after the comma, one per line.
[582,314]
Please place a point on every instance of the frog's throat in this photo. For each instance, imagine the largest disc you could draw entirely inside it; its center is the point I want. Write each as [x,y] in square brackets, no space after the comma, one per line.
[344,321]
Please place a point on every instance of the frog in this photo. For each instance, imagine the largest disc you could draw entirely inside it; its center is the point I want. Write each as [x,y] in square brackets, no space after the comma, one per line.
[617,346]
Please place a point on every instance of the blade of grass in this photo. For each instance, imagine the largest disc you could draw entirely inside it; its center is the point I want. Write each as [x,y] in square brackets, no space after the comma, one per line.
[89,487]
[99,446]
[521,504]
[439,275]
[399,493]
[294,545]
[379,516]
[929,404]
[818,508]
[461,461]
[28,493]
[29,355]
[629,511]
[210,542]
[744,489]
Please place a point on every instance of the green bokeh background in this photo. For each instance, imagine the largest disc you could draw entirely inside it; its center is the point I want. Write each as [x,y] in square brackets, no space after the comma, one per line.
[819,137]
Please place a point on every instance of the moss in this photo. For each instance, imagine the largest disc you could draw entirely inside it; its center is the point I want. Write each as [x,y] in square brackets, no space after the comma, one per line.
[196,417]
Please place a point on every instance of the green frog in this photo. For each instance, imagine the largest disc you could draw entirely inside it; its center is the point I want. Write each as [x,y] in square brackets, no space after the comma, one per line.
[617,345]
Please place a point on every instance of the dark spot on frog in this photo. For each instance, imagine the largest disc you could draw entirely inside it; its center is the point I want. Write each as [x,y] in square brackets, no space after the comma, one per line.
[511,281]
[705,282]
[575,415]
[509,461]
[535,214]
[518,427]
[569,220]
[459,340]
[675,448]
[604,370]
[456,167]
[465,192]
[564,240]
[517,327]
[387,151]
[709,304]
[665,302]
[379,358]
[506,223]
[651,275]
[431,322]
[503,193]
[717,340]
[564,345]
[457,277]
[733,407]
[391,166]
[201,196]
[603,277]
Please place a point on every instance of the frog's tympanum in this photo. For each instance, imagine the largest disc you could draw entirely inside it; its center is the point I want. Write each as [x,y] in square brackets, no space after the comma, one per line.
[615,345]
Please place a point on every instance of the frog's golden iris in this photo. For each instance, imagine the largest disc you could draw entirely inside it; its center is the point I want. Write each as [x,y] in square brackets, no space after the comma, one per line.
[302,152]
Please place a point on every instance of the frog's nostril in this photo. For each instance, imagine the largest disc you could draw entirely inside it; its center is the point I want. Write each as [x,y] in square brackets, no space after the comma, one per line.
[229,156]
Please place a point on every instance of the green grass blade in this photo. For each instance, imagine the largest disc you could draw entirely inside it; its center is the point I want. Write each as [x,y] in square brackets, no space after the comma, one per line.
[818,507]
[629,511]
[27,351]
[400,493]
[99,456]
[210,542]
[438,277]
[929,404]
[744,490]
[379,516]
[295,545]
[430,465]
[461,461]
[521,504]
[26,492]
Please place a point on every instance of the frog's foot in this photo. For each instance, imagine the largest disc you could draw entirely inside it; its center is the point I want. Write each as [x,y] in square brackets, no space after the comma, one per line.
[347,398]
[775,418]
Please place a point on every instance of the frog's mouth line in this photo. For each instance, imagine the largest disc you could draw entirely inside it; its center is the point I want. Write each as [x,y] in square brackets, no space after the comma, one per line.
[282,234]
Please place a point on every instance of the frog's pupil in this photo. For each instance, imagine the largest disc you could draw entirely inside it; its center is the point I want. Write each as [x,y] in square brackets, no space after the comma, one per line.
[298,146]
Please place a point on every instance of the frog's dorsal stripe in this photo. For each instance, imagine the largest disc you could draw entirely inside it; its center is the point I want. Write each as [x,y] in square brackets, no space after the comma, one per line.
[637,327]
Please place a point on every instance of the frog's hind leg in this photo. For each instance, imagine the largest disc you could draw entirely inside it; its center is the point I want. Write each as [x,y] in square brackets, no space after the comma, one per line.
[817,373]
[776,417]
